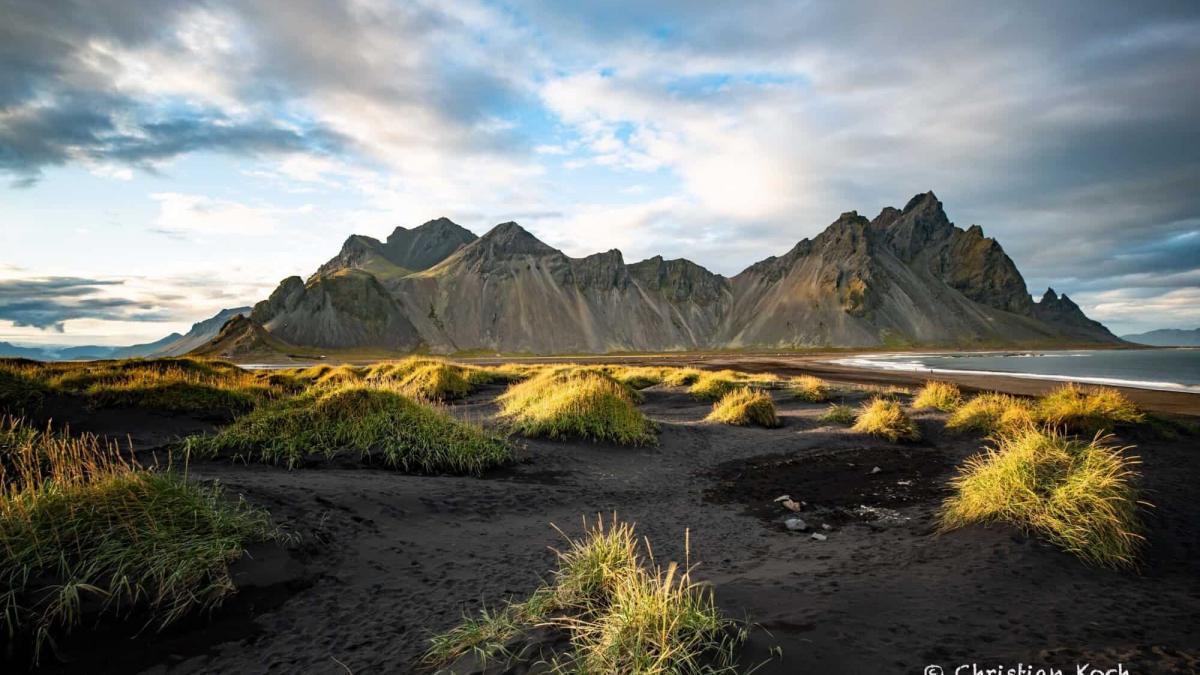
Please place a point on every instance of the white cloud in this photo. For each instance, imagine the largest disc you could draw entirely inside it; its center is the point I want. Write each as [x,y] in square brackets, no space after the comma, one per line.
[202,215]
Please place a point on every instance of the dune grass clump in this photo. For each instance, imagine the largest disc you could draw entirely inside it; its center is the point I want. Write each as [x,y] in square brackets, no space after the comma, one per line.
[21,389]
[1079,494]
[885,418]
[639,377]
[745,406]
[681,377]
[372,423]
[619,611]
[84,529]
[575,403]
[838,414]
[435,382]
[1077,410]
[809,388]
[711,386]
[943,396]
[992,413]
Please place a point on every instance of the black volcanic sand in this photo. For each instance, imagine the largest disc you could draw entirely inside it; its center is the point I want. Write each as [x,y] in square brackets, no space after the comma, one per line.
[383,559]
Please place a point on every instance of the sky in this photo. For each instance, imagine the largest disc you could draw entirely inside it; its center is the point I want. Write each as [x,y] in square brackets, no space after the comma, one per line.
[161,160]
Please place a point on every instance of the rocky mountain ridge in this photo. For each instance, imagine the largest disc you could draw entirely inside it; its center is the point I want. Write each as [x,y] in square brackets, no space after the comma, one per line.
[907,277]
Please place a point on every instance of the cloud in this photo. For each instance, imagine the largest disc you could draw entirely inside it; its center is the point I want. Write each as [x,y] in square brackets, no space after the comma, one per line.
[180,214]
[49,302]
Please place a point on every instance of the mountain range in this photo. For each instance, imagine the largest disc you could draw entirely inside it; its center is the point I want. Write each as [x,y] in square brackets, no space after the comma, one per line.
[1166,337]
[906,277]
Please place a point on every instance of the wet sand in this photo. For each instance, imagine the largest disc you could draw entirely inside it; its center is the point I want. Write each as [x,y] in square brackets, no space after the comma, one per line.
[383,560]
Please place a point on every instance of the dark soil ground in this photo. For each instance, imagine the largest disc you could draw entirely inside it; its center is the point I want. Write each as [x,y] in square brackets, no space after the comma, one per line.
[383,559]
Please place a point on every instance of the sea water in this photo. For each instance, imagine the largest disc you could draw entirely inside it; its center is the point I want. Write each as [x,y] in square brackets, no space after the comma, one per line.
[1167,369]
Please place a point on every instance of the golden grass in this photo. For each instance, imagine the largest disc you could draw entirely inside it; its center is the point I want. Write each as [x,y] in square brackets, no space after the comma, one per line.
[745,406]
[620,611]
[712,385]
[435,382]
[885,418]
[1079,494]
[943,396]
[809,388]
[81,526]
[1076,410]
[838,414]
[681,377]
[992,413]
[374,422]
[572,402]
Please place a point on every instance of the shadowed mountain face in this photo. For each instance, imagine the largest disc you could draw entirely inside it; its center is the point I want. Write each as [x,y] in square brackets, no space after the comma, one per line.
[909,276]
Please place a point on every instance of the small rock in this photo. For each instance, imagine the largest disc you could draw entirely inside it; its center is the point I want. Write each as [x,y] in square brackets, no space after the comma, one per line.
[819,537]
[876,470]
[795,524]
[826,526]
[783,498]
[791,505]
[904,482]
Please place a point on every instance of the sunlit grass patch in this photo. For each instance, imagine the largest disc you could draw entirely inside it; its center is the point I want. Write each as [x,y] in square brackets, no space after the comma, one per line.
[620,611]
[809,388]
[885,418]
[435,382]
[373,423]
[681,377]
[1079,494]
[84,529]
[639,377]
[745,406]
[1077,410]
[943,396]
[21,389]
[575,403]
[991,413]
[838,414]
[711,386]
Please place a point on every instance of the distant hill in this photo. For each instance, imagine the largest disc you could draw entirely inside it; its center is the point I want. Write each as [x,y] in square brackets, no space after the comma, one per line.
[907,277]
[1167,337]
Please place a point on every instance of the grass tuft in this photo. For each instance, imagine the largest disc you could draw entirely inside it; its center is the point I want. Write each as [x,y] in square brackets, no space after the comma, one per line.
[575,402]
[84,529]
[838,414]
[358,419]
[745,406]
[1076,410]
[621,613]
[809,388]
[435,382]
[885,418]
[1079,494]
[942,396]
[681,377]
[992,413]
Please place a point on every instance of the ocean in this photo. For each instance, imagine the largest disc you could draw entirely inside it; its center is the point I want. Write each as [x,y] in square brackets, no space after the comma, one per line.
[1165,369]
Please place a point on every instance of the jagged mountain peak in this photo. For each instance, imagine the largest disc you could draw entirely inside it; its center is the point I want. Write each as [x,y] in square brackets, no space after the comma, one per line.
[511,238]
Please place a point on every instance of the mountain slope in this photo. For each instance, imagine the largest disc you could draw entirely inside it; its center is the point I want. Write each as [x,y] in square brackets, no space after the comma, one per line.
[1166,337]
[909,276]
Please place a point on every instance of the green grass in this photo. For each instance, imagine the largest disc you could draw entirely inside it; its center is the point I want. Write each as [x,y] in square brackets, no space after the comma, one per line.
[681,377]
[745,406]
[885,418]
[374,423]
[942,396]
[838,414]
[180,385]
[572,402]
[619,610]
[992,413]
[809,389]
[712,385]
[82,526]
[1079,494]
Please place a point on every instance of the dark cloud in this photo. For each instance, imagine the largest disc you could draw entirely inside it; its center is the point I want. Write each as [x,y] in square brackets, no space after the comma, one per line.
[49,302]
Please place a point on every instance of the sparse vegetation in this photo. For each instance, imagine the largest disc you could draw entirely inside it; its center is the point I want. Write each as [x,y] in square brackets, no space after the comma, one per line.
[711,386]
[943,396]
[838,414]
[621,613]
[1076,410]
[372,422]
[84,529]
[885,418]
[573,402]
[808,388]
[1080,494]
[745,406]
[992,413]
[681,377]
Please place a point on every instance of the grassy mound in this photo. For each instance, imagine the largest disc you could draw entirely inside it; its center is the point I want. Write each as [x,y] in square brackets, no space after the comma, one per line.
[21,389]
[809,388]
[82,526]
[575,403]
[942,396]
[992,413]
[183,385]
[745,406]
[838,414]
[1079,494]
[681,377]
[362,420]
[1087,412]
[885,418]
[435,382]
[711,386]
[619,612]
